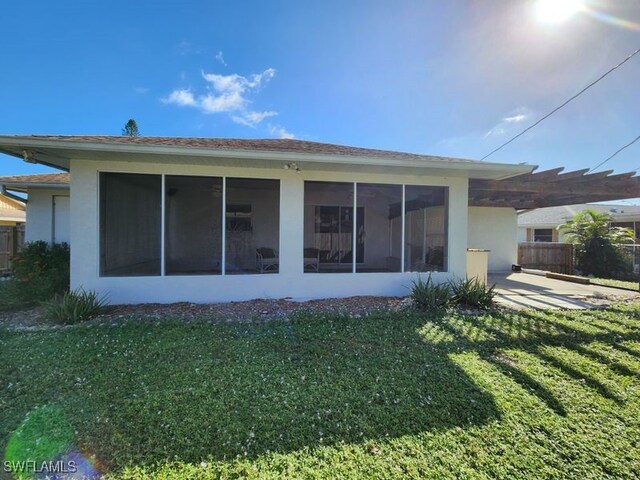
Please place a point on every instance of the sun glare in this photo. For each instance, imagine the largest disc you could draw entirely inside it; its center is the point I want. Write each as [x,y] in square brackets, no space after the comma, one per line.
[556,11]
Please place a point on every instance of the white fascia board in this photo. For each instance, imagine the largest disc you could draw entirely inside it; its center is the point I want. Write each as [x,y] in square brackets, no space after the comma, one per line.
[497,171]
[26,186]
[540,225]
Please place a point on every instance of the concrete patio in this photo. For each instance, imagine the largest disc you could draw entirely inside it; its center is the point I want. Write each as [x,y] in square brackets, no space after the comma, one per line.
[524,290]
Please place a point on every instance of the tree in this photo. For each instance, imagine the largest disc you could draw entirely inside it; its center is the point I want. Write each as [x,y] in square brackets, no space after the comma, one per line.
[597,244]
[131,129]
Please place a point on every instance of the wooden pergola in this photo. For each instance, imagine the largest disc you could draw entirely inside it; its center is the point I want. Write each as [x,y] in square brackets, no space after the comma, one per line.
[551,188]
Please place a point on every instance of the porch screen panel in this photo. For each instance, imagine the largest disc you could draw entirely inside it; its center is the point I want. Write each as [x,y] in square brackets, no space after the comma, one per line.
[130,223]
[328,227]
[426,227]
[379,233]
[193,225]
[252,226]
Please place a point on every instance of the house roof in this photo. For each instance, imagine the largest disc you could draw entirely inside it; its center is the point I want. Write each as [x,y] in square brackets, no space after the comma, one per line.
[554,216]
[246,144]
[490,184]
[11,210]
[58,151]
[44,180]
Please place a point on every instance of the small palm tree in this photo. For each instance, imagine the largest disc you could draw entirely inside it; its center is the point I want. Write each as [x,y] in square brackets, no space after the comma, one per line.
[596,242]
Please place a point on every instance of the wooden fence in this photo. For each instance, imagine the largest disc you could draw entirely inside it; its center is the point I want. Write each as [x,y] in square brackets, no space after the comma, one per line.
[11,241]
[553,257]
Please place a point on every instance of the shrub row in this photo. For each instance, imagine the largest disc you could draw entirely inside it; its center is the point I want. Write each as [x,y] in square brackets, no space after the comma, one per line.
[40,271]
[41,277]
[428,295]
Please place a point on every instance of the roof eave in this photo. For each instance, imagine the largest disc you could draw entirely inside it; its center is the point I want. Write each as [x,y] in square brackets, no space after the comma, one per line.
[474,169]
[23,187]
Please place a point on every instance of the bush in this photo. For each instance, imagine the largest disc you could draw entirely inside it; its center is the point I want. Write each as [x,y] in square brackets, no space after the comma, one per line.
[472,293]
[40,272]
[75,306]
[598,242]
[10,295]
[430,296]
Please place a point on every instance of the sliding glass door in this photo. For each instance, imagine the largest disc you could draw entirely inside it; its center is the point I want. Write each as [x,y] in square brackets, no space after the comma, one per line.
[206,225]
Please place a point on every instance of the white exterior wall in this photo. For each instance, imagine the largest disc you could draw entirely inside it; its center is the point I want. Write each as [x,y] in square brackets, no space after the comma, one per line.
[495,229]
[522,234]
[291,281]
[40,216]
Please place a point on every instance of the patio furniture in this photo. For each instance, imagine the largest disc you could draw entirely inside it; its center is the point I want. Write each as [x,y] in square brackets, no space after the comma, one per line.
[267,260]
[312,259]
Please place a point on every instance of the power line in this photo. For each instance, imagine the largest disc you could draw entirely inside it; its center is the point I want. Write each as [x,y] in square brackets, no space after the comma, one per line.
[563,104]
[616,153]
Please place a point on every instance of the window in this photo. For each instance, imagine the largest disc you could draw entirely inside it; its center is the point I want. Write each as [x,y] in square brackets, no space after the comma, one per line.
[252,226]
[331,232]
[543,235]
[328,227]
[193,225]
[131,236]
[130,224]
[426,223]
[379,232]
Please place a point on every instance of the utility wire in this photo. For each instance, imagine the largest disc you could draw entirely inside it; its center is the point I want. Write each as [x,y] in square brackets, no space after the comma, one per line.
[616,153]
[563,104]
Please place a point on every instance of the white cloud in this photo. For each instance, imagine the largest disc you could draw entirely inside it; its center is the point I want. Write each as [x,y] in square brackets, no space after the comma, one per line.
[226,102]
[251,119]
[515,118]
[220,58]
[184,98]
[141,90]
[226,94]
[234,83]
[280,131]
[507,123]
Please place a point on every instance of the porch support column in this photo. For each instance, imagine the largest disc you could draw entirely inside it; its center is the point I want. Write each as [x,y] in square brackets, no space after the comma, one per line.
[291,225]
[458,226]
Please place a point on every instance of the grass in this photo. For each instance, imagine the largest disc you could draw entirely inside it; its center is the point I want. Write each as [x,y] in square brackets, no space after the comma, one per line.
[608,282]
[501,395]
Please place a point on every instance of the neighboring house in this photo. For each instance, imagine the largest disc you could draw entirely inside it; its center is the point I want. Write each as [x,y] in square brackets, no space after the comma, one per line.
[12,217]
[12,211]
[160,219]
[541,225]
[47,208]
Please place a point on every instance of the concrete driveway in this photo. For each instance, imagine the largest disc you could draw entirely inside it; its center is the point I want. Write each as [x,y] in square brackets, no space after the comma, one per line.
[524,290]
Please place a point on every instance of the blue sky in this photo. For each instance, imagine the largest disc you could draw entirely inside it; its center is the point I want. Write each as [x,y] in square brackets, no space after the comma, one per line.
[454,78]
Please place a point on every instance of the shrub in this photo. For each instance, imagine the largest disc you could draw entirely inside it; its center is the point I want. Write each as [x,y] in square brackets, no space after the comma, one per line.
[75,306]
[40,271]
[473,293]
[429,295]
[598,243]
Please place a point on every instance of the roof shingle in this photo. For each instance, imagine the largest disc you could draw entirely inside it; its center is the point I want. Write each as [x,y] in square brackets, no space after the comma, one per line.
[263,144]
[53,178]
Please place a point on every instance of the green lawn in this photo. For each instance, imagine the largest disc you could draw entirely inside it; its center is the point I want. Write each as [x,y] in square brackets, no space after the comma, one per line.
[608,282]
[527,395]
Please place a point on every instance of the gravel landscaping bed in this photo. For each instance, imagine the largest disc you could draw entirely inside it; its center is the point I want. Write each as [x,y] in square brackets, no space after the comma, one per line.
[259,309]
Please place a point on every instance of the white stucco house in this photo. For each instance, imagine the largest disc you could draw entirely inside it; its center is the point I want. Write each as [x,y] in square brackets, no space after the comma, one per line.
[12,211]
[541,225]
[163,219]
[48,205]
